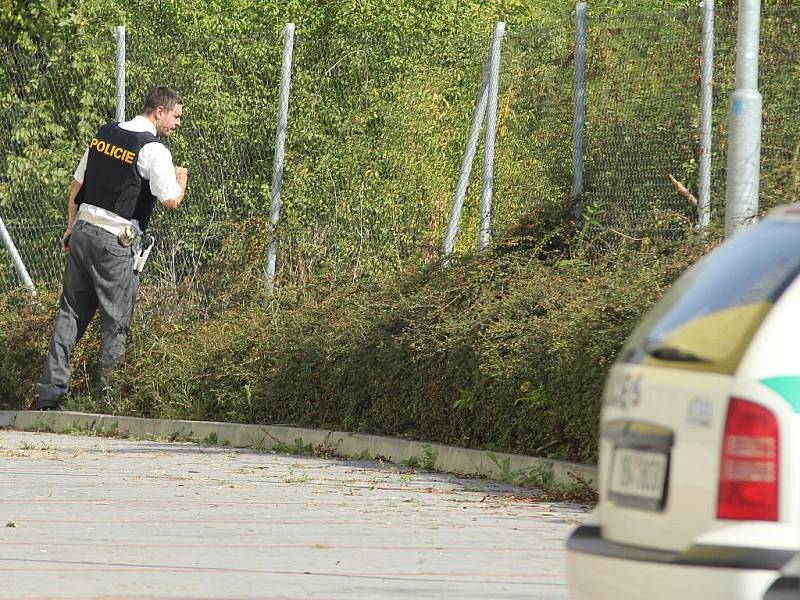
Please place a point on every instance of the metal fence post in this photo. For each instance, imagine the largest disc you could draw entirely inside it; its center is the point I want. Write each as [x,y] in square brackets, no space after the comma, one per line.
[579,110]
[120,74]
[466,164]
[706,104]
[744,125]
[491,133]
[15,257]
[277,166]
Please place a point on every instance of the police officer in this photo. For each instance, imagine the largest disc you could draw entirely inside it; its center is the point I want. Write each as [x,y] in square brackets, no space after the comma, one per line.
[115,188]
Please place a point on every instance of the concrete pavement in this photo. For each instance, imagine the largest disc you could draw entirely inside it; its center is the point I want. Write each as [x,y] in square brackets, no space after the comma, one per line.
[450,459]
[88,517]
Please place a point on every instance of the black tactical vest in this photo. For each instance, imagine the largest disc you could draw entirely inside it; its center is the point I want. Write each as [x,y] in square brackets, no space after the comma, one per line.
[112,180]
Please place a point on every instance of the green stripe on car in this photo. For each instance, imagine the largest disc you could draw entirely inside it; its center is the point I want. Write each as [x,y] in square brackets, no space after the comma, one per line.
[787,387]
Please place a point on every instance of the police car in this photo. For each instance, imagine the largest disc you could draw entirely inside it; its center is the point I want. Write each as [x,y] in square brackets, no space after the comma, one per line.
[699,457]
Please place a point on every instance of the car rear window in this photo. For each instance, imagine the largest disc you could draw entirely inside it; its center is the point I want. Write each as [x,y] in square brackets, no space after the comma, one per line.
[708,317]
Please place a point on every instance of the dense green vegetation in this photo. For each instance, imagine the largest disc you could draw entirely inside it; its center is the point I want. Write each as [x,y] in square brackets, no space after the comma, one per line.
[382,94]
[506,351]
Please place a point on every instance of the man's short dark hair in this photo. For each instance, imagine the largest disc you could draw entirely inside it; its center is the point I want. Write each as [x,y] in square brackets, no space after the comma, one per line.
[160,96]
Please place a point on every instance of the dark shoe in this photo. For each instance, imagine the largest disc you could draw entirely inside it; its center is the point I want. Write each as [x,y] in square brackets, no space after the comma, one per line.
[41,404]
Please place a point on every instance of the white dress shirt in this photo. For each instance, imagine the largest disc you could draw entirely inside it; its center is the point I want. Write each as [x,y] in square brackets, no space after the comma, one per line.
[154,164]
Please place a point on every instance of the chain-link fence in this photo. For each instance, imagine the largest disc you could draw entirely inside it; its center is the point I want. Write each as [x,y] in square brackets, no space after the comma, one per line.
[533,162]
[45,99]
[779,82]
[643,118]
[643,96]
[376,133]
[230,90]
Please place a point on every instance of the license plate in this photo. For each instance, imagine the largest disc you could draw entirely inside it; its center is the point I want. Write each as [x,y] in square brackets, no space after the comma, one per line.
[639,476]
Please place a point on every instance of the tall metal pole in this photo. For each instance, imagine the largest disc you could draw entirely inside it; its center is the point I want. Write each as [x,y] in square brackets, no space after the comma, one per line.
[744,125]
[491,133]
[579,110]
[277,166]
[706,104]
[466,164]
[16,258]
[120,74]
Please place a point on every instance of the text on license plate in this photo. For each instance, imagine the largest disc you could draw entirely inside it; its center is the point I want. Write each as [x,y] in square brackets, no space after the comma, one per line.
[639,473]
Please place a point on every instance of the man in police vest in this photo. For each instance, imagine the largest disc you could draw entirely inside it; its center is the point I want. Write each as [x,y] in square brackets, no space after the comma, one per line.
[115,188]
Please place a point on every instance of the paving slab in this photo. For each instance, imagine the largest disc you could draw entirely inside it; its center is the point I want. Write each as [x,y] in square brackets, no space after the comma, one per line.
[87,517]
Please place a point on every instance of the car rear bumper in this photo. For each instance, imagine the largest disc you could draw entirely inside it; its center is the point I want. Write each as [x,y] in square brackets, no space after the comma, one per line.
[602,570]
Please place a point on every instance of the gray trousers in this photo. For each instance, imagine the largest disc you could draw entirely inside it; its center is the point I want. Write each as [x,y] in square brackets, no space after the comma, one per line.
[99,275]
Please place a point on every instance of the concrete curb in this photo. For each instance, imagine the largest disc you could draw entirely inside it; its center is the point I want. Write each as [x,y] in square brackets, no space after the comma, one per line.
[450,459]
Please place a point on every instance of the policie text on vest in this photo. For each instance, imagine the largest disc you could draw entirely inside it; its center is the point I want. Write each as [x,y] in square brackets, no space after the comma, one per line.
[111,150]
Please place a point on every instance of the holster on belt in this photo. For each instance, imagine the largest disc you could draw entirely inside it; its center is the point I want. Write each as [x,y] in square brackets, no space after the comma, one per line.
[141,256]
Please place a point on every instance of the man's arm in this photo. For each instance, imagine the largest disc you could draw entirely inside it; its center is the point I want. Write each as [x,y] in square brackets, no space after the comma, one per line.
[72,211]
[167,182]
[182,176]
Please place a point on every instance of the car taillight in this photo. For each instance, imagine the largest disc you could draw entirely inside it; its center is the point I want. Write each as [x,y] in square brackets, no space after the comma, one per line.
[748,471]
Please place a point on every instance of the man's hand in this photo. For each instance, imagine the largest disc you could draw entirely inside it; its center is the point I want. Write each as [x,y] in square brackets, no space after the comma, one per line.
[65,241]
[182,175]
